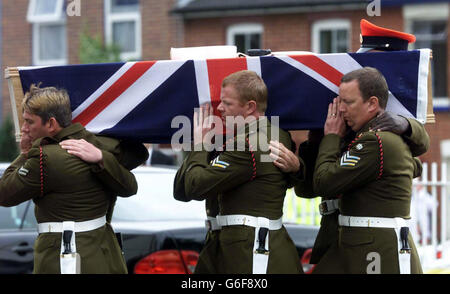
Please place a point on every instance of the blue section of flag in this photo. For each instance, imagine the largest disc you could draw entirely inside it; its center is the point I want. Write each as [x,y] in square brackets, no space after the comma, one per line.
[300,101]
[151,120]
[80,81]
[400,70]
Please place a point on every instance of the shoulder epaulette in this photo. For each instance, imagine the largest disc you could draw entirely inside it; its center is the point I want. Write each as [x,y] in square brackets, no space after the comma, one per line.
[380,147]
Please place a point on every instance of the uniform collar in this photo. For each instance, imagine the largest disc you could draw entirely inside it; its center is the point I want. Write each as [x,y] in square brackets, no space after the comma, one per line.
[260,122]
[253,127]
[366,127]
[68,131]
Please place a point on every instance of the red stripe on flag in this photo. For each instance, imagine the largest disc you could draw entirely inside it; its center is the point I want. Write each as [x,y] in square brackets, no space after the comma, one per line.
[116,89]
[218,69]
[321,67]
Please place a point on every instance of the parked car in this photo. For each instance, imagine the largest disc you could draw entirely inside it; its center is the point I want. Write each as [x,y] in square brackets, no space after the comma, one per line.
[160,234]
[17,235]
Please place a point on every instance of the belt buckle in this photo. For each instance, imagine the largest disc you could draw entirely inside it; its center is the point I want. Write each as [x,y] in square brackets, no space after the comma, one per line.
[323,208]
[262,251]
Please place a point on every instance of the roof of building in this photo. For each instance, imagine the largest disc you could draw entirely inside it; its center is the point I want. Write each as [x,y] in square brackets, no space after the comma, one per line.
[210,7]
[202,6]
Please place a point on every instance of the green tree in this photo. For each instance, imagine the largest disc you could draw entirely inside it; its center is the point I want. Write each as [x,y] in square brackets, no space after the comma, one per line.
[93,50]
[8,145]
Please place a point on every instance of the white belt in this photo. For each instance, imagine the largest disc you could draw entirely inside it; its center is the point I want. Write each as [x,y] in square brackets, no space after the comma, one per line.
[54,227]
[395,223]
[372,222]
[212,224]
[260,258]
[248,220]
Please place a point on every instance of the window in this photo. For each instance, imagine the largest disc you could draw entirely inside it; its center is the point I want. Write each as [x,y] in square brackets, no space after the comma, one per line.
[245,36]
[45,10]
[49,32]
[123,27]
[433,35]
[331,36]
[429,24]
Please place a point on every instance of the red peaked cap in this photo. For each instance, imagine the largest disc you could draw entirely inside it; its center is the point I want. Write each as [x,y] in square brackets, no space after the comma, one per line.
[375,37]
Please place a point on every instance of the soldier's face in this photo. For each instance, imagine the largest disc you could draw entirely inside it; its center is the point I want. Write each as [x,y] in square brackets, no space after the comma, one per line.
[230,104]
[33,126]
[355,111]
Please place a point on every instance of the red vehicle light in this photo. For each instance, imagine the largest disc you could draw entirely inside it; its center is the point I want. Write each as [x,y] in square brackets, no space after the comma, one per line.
[168,262]
[307,267]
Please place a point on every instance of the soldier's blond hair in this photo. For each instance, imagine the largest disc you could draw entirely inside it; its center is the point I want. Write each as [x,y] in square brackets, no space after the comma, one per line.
[48,102]
[249,86]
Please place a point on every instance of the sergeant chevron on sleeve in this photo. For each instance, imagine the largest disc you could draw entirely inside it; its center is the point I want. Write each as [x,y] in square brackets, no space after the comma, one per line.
[374,177]
[249,236]
[373,38]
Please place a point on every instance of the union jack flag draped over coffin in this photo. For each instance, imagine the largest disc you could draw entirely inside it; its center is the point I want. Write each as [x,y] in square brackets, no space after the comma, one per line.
[138,100]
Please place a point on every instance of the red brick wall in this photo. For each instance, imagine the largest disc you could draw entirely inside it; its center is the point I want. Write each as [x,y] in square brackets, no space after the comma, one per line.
[92,19]
[16,43]
[160,31]
[287,33]
[438,131]
[284,32]
[204,32]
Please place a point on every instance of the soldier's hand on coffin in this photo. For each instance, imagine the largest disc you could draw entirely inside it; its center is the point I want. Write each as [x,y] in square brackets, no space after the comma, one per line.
[335,123]
[25,143]
[83,149]
[203,124]
[388,121]
[283,158]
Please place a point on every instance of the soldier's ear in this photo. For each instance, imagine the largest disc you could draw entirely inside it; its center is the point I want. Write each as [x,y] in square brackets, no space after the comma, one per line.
[53,126]
[251,106]
[374,104]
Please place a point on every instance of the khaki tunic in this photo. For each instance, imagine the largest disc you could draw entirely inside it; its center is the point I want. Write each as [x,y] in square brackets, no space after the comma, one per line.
[418,142]
[377,183]
[71,190]
[244,184]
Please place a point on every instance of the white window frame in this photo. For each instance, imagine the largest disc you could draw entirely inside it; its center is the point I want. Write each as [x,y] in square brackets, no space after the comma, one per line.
[329,24]
[111,18]
[428,12]
[56,18]
[244,28]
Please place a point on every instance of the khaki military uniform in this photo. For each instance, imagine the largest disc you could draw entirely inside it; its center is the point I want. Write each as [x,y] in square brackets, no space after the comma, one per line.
[65,188]
[418,142]
[207,259]
[374,177]
[246,186]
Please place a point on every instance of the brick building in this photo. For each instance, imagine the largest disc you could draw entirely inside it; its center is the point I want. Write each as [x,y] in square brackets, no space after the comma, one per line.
[36,34]
[47,32]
